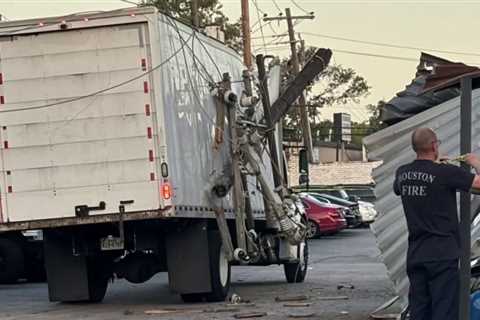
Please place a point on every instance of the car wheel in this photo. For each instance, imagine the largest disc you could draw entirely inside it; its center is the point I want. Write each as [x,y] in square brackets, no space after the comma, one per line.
[313,230]
[296,272]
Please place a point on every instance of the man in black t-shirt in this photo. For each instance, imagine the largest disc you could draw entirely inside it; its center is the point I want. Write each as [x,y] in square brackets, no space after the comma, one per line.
[428,192]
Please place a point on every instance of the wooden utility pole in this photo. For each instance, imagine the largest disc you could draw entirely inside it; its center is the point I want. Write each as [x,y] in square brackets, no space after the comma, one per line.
[195,21]
[304,120]
[247,41]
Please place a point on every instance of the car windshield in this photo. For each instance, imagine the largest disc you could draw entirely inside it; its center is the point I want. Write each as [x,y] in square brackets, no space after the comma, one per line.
[312,199]
[343,194]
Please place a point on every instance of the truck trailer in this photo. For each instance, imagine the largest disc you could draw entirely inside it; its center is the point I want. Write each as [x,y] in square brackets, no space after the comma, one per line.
[134,143]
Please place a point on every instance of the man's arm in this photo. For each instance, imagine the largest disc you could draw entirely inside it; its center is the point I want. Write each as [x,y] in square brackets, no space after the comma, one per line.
[474,161]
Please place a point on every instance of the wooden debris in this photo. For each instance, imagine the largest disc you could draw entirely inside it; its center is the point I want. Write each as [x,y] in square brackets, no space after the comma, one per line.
[220,310]
[169,311]
[345,286]
[249,315]
[159,312]
[291,298]
[301,315]
[297,304]
[333,298]
[245,304]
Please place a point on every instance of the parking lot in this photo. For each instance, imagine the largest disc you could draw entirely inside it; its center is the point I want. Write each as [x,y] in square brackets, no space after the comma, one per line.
[348,259]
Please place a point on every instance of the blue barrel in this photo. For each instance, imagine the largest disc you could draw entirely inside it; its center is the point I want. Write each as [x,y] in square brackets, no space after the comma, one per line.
[475,306]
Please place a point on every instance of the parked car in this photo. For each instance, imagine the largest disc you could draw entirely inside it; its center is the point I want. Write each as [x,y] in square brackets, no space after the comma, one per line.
[353,193]
[352,215]
[363,192]
[367,211]
[323,218]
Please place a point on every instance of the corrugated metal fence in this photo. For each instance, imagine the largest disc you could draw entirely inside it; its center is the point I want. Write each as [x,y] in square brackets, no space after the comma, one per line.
[393,146]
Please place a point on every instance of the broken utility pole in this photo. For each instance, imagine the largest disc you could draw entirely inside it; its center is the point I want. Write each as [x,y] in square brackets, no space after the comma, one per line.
[247,42]
[304,120]
[313,67]
[195,21]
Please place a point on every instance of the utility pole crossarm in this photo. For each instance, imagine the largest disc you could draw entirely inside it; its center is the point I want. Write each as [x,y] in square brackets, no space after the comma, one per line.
[285,18]
[314,66]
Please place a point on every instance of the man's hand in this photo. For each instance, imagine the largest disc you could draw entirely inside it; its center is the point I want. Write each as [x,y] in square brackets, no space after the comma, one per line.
[474,161]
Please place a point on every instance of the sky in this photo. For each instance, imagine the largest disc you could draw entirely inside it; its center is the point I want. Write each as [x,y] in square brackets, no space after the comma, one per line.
[446,25]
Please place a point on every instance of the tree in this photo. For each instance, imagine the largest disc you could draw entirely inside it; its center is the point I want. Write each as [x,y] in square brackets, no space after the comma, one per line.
[375,111]
[209,13]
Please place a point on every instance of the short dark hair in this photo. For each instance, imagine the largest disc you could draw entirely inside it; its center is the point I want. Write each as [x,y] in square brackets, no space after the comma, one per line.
[422,138]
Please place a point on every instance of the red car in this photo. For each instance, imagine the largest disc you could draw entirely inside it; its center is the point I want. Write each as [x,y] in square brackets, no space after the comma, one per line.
[323,218]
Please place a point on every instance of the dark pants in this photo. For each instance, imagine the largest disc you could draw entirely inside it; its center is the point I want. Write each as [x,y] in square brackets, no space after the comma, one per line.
[434,289]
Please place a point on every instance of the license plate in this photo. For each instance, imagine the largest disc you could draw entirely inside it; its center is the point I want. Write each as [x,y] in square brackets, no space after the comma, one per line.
[111,243]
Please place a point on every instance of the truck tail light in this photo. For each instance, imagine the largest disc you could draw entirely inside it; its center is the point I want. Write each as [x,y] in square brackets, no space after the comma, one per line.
[166,191]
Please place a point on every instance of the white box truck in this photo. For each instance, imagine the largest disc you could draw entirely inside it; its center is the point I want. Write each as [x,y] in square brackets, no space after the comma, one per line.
[107,124]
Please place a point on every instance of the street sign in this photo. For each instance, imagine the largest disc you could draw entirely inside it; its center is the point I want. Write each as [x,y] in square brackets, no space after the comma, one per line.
[342,124]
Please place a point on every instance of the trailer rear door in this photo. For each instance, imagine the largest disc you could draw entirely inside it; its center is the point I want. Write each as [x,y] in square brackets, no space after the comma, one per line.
[56,156]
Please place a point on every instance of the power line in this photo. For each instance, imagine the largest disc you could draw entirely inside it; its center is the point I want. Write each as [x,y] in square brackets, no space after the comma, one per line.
[130,2]
[261,28]
[295,3]
[276,5]
[376,55]
[382,44]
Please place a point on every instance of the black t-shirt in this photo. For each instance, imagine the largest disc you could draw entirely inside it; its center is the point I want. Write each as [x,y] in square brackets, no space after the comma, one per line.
[428,192]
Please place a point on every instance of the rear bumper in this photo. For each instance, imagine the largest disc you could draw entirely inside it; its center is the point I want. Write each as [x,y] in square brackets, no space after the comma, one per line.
[75,221]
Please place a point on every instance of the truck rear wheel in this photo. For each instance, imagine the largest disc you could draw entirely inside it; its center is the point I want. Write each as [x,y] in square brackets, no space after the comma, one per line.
[296,272]
[11,261]
[220,269]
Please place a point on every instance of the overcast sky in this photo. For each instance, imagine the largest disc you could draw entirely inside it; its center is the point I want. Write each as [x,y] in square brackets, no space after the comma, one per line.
[437,24]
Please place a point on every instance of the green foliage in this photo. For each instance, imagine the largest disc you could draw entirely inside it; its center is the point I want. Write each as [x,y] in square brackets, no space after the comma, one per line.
[209,13]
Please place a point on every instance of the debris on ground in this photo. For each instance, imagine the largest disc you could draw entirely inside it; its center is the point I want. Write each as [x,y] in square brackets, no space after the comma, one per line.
[127,312]
[159,312]
[247,303]
[333,298]
[297,304]
[250,315]
[345,286]
[301,315]
[169,311]
[235,299]
[291,298]
[344,313]
[220,310]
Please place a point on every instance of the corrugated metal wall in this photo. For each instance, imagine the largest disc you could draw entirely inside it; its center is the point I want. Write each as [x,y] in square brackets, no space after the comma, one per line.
[392,145]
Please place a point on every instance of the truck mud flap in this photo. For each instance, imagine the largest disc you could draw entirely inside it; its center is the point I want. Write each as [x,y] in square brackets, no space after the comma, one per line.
[66,273]
[188,260]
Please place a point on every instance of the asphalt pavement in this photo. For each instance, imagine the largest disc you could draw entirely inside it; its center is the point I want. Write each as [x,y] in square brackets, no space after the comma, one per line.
[346,280]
